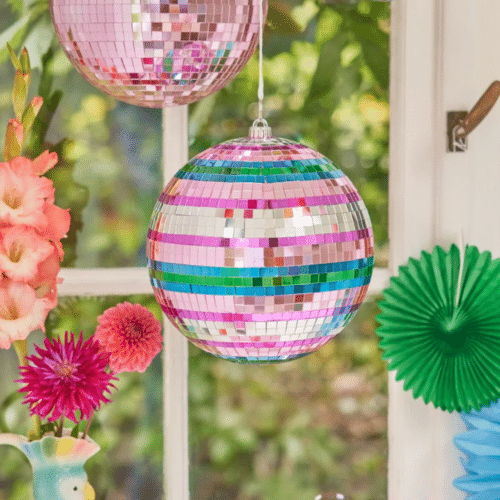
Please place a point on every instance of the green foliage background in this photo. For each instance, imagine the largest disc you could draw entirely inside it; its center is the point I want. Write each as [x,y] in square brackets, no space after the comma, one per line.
[292,431]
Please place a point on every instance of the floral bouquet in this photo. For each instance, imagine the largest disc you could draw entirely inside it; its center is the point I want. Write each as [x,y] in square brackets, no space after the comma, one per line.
[68,379]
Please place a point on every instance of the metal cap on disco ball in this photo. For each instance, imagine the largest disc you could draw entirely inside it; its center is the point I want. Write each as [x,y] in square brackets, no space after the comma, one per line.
[260,250]
[157,53]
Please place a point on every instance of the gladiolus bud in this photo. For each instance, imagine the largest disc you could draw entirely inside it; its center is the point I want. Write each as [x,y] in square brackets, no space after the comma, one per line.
[13,140]
[36,103]
[20,92]
[24,60]
[31,112]
[44,162]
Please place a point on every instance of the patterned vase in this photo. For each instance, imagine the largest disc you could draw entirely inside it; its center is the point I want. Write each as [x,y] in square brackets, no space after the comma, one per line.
[57,464]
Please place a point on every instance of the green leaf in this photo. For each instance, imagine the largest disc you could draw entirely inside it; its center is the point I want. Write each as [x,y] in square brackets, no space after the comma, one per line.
[370,32]
[39,41]
[14,35]
[48,427]
[377,61]
[69,194]
[279,18]
[380,10]
[16,5]
[75,431]
[375,45]
[328,64]
[42,123]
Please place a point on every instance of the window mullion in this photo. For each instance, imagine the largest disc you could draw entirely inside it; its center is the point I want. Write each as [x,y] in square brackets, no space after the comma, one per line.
[175,353]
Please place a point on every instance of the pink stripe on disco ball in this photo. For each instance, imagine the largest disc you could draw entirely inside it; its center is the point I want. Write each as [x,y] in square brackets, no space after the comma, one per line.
[210,241]
[254,257]
[249,318]
[235,304]
[294,189]
[309,201]
[291,189]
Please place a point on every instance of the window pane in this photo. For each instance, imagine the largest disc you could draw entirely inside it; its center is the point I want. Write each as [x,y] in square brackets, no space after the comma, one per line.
[118,161]
[295,430]
[128,430]
[112,174]
[316,425]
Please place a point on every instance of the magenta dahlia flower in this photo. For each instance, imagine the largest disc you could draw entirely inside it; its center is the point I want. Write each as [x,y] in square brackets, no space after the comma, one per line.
[66,377]
[131,335]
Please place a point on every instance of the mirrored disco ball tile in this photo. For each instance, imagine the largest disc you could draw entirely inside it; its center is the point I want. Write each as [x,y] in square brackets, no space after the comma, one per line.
[260,251]
[157,53]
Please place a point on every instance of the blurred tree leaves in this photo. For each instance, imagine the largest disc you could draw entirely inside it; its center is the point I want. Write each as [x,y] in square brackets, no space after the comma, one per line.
[33,29]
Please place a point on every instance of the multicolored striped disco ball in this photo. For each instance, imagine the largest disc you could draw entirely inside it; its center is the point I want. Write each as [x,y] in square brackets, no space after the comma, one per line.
[157,53]
[260,250]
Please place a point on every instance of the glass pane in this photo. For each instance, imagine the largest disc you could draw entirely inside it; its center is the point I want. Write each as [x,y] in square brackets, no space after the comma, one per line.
[315,426]
[128,430]
[112,174]
[295,430]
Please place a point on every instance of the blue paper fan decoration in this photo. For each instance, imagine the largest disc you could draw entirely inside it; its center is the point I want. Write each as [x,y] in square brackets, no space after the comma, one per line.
[481,444]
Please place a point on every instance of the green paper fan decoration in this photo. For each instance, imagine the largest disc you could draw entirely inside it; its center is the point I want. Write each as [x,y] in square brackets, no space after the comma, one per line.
[449,354]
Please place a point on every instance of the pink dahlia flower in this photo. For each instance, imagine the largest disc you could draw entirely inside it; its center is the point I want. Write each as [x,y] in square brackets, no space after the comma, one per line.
[131,335]
[22,199]
[21,312]
[66,377]
[21,250]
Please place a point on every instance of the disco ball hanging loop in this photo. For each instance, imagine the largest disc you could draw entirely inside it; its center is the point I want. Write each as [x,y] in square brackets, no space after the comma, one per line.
[260,249]
[157,53]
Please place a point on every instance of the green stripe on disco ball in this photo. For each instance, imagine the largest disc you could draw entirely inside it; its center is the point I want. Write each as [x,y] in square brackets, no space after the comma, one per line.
[448,354]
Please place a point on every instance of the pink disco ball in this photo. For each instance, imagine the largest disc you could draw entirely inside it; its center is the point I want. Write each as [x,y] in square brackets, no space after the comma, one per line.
[260,250]
[157,53]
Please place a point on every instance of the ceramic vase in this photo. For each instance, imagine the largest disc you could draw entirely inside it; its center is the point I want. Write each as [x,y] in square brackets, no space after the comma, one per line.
[57,464]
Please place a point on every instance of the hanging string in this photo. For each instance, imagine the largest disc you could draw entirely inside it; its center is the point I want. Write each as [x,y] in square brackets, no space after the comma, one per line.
[260,130]
[260,93]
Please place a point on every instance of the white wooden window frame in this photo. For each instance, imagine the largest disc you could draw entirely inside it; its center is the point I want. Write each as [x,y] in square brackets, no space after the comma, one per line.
[444,56]
[127,281]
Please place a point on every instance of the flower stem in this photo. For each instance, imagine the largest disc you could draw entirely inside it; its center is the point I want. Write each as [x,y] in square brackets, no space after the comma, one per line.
[60,426]
[21,348]
[87,427]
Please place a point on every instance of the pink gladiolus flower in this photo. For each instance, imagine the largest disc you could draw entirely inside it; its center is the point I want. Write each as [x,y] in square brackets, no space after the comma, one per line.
[22,198]
[21,250]
[21,312]
[131,335]
[57,227]
[19,166]
[22,166]
[45,281]
[66,377]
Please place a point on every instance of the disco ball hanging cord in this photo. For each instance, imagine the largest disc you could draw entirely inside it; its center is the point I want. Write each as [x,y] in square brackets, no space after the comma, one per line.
[263,131]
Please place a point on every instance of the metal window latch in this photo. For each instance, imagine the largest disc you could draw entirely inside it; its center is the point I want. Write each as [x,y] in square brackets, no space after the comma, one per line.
[461,123]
